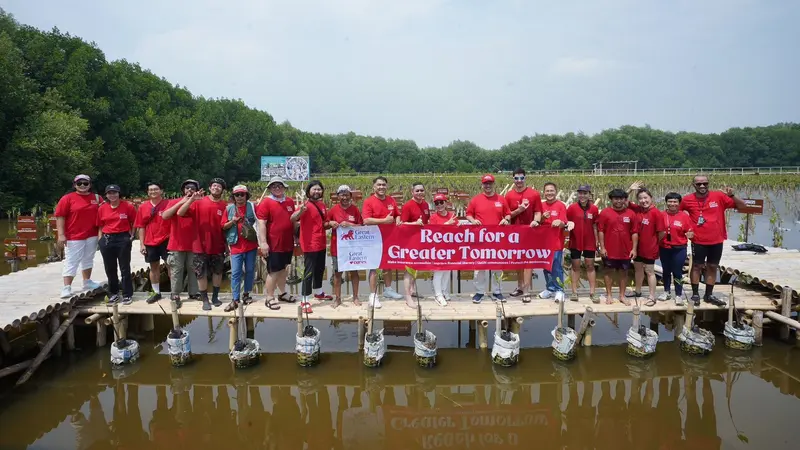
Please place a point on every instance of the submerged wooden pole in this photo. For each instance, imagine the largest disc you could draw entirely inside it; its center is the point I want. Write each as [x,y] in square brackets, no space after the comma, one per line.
[120,333]
[483,330]
[101,333]
[758,327]
[70,339]
[176,323]
[636,318]
[148,323]
[498,321]
[786,311]
[361,326]
[299,321]
[232,333]
[46,350]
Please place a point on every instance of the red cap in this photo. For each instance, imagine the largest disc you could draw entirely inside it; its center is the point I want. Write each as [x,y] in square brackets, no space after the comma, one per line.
[440,198]
[488,178]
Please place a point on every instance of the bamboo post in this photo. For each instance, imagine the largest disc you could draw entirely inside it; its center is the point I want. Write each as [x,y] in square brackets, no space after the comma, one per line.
[636,318]
[176,323]
[689,322]
[587,336]
[42,336]
[19,367]
[498,321]
[70,339]
[587,322]
[299,321]
[242,324]
[91,319]
[786,310]
[117,323]
[483,329]
[360,333]
[251,324]
[46,350]
[516,325]
[148,323]
[102,334]
[758,327]
[680,320]
[232,333]
[730,308]
[560,315]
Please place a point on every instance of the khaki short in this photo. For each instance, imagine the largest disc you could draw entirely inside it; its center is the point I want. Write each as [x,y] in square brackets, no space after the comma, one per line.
[335,261]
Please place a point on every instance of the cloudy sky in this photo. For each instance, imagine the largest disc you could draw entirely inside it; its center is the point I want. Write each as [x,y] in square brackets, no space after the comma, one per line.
[440,70]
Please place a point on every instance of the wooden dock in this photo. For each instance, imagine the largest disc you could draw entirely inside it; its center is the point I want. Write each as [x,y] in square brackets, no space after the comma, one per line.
[776,269]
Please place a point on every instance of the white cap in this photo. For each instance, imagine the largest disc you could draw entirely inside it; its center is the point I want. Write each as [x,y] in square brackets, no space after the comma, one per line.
[343,188]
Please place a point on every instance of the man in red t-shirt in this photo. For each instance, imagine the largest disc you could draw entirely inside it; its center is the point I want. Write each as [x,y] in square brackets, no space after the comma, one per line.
[555,216]
[343,215]
[651,227]
[76,221]
[311,216]
[488,208]
[182,242]
[276,239]
[525,205]
[707,212]
[153,235]
[209,251]
[415,212]
[618,242]
[380,209]
[583,240]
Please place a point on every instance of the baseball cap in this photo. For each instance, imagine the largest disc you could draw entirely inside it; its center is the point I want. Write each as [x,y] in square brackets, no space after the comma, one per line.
[274,180]
[585,188]
[344,188]
[488,178]
[82,177]
[239,188]
[112,188]
[439,198]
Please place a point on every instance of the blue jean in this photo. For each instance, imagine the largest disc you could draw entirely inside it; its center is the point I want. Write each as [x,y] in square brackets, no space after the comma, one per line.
[556,272]
[672,260]
[243,262]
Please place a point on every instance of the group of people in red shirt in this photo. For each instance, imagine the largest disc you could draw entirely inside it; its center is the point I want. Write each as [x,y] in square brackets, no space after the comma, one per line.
[192,235]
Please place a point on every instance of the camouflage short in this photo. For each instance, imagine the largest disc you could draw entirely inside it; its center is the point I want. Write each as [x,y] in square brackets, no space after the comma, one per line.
[203,264]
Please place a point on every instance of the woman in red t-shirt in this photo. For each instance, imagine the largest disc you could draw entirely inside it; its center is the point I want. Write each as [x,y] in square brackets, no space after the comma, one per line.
[115,220]
[243,248]
[650,227]
[311,216]
[340,218]
[441,278]
[672,251]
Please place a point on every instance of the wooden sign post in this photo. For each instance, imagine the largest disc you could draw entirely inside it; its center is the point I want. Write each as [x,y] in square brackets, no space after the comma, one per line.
[753,206]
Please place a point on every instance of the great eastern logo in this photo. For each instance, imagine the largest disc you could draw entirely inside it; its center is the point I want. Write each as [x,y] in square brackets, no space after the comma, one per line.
[349,236]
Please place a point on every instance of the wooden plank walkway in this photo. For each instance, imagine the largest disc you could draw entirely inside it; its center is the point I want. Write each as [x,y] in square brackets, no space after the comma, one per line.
[32,293]
[461,308]
[776,269]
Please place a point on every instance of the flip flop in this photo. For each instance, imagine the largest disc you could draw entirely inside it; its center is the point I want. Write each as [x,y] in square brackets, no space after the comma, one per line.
[306,307]
[232,306]
[288,298]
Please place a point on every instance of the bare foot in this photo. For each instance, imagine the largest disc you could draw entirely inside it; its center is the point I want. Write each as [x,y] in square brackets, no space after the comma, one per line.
[625,301]
[356,301]
[337,302]
[609,300]
[410,303]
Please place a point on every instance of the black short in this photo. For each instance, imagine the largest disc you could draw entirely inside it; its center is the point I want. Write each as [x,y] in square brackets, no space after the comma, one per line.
[711,254]
[617,264]
[154,253]
[576,254]
[277,261]
[644,260]
[203,264]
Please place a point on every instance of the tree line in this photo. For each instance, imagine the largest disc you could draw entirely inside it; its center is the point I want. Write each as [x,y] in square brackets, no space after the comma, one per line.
[65,109]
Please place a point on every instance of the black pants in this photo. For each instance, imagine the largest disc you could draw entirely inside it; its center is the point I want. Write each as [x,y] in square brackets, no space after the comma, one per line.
[314,269]
[116,250]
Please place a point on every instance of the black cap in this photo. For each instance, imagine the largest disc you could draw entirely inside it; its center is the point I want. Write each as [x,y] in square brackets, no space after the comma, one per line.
[112,188]
[188,182]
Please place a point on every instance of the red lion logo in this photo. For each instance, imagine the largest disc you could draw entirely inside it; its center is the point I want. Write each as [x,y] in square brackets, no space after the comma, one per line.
[349,236]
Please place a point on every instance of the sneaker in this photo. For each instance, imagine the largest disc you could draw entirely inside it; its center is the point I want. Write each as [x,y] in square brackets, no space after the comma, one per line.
[696,299]
[66,292]
[594,298]
[127,300]
[517,292]
[392,294]
[90,285]
[573,297]
[154,297]
[714,300]
[477,298]
[678,300]
[664,296]
[323,296]
[545,294]
[194,297]
[447,297]
[215,301]
[113,299]
[498,297]
[440,300]
[374,302]
[206,303]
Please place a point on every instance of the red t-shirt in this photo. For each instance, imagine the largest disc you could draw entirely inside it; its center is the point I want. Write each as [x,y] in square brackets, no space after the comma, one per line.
[242,245]
[712,208]
[182,231]
[80,215]
[558,211]
[514,198]
[312,227]
[116,220]
[438,219]
[208,214]
[339,214]
[617,228]
[582,236]
[676,225]
[156,229]
[375,208]
[648,224]
[488,210]
[280,229]
[413,211]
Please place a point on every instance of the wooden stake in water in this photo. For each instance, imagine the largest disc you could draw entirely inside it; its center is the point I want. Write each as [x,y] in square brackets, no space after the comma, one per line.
[242,324]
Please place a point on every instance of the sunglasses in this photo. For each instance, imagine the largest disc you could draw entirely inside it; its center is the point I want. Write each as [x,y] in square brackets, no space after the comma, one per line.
[438,203]
[519,178]
[239,194]
[82,183]
[701,184]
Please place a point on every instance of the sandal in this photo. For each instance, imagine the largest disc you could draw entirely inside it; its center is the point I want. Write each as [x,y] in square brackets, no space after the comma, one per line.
[306,307]
[517,292]
[650,302]
[232,306]
[246,298]
[526,299]
[272,304]
[573,297]
[594,298]
[287,297]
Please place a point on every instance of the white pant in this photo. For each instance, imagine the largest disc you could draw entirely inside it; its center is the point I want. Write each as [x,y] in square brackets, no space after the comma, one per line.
[79,254]
[441,282]
[482,281]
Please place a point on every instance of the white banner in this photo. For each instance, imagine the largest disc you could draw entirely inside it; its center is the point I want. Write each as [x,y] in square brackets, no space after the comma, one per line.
[360,248]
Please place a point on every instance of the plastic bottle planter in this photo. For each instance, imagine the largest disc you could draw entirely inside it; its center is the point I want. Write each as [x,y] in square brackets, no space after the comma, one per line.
[245,353]
[425,349]
[505,349]
[374,349]
[307,347]
[697,341]
[179,347]
[124,351]
[564,343]
[739,338]
[639,345]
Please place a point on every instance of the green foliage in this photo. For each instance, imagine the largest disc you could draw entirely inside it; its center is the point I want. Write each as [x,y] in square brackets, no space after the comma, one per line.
[65,109]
